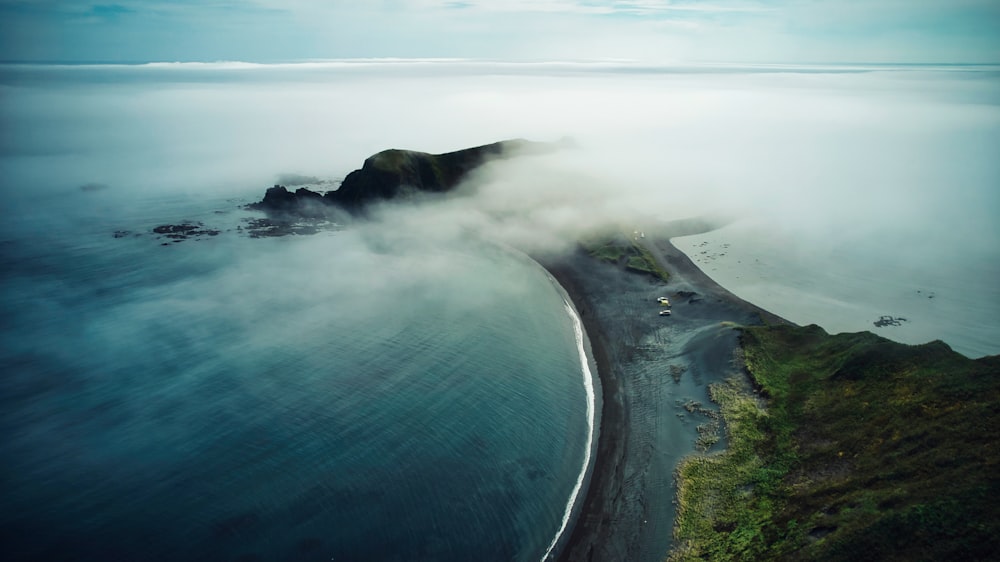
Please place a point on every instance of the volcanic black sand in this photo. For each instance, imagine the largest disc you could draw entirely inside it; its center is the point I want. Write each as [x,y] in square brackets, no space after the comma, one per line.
[654,373]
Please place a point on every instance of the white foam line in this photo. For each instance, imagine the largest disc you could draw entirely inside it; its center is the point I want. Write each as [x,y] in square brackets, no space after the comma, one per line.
[588,385]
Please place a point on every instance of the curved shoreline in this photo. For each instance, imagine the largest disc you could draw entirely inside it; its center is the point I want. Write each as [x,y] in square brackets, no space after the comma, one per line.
[593,385]
[611,420]
[589,382]
[600,531]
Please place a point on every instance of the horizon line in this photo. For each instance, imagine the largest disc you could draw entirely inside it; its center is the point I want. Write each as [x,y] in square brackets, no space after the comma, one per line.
[487,60]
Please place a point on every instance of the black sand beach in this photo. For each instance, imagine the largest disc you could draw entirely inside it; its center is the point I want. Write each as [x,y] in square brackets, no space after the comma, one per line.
[654,373]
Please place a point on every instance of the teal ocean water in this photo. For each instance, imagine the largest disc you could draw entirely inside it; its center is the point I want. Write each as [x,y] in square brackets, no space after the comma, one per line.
[304,398]
[377,391]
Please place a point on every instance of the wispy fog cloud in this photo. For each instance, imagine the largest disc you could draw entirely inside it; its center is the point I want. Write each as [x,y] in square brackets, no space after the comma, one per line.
[845,155]
[827,161]
[893,168]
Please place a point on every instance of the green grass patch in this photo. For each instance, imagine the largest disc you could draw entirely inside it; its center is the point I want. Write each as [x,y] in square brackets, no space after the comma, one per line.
[866,450]
[621,250]
[718,517]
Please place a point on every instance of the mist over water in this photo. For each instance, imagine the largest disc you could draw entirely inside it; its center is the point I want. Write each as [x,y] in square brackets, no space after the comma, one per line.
[849,150]
[314,395]
[352,394]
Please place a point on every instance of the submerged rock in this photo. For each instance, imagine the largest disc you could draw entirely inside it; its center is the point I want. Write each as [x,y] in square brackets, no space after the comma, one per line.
[182,231]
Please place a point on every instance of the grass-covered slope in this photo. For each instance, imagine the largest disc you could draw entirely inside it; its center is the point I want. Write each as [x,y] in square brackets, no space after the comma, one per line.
[849,447]
[630,254]
[395,172]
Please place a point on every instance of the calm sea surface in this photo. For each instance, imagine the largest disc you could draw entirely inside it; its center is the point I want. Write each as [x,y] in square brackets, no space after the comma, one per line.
[948,293]
[334,396]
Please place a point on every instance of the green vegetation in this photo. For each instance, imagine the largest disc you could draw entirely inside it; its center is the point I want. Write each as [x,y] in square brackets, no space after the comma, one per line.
[620,250]
[426,172]
[391,160]
[851,447]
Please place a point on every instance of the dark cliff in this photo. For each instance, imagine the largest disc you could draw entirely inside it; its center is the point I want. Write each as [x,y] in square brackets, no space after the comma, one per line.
[394,173]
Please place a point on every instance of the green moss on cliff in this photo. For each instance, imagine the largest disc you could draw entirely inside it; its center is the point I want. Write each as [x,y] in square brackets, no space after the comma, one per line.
[866,450]
[618,249]
[390,161]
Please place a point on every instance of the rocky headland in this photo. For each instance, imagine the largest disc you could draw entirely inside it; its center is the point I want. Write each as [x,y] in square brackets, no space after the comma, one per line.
[397,173]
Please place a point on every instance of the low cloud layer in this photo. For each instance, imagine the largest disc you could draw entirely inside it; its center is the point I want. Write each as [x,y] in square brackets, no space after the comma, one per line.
[818,153]
[895,159]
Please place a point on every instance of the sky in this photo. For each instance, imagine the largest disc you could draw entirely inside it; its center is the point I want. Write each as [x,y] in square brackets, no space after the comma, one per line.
[661,31]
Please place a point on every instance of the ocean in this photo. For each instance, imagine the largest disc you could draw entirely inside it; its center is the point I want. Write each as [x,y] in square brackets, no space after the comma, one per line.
[305,397]
[854,287]
[402,388]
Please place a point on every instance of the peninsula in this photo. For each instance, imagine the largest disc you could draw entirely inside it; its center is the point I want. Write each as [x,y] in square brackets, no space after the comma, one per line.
[783,441]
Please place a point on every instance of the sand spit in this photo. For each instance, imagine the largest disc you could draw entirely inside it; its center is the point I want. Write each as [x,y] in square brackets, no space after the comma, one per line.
[652,370]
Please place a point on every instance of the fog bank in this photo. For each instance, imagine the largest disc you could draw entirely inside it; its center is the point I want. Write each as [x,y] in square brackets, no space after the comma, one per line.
[889,165]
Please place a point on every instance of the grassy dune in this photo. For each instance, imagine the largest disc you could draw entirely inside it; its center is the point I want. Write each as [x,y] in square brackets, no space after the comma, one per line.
[847,447]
